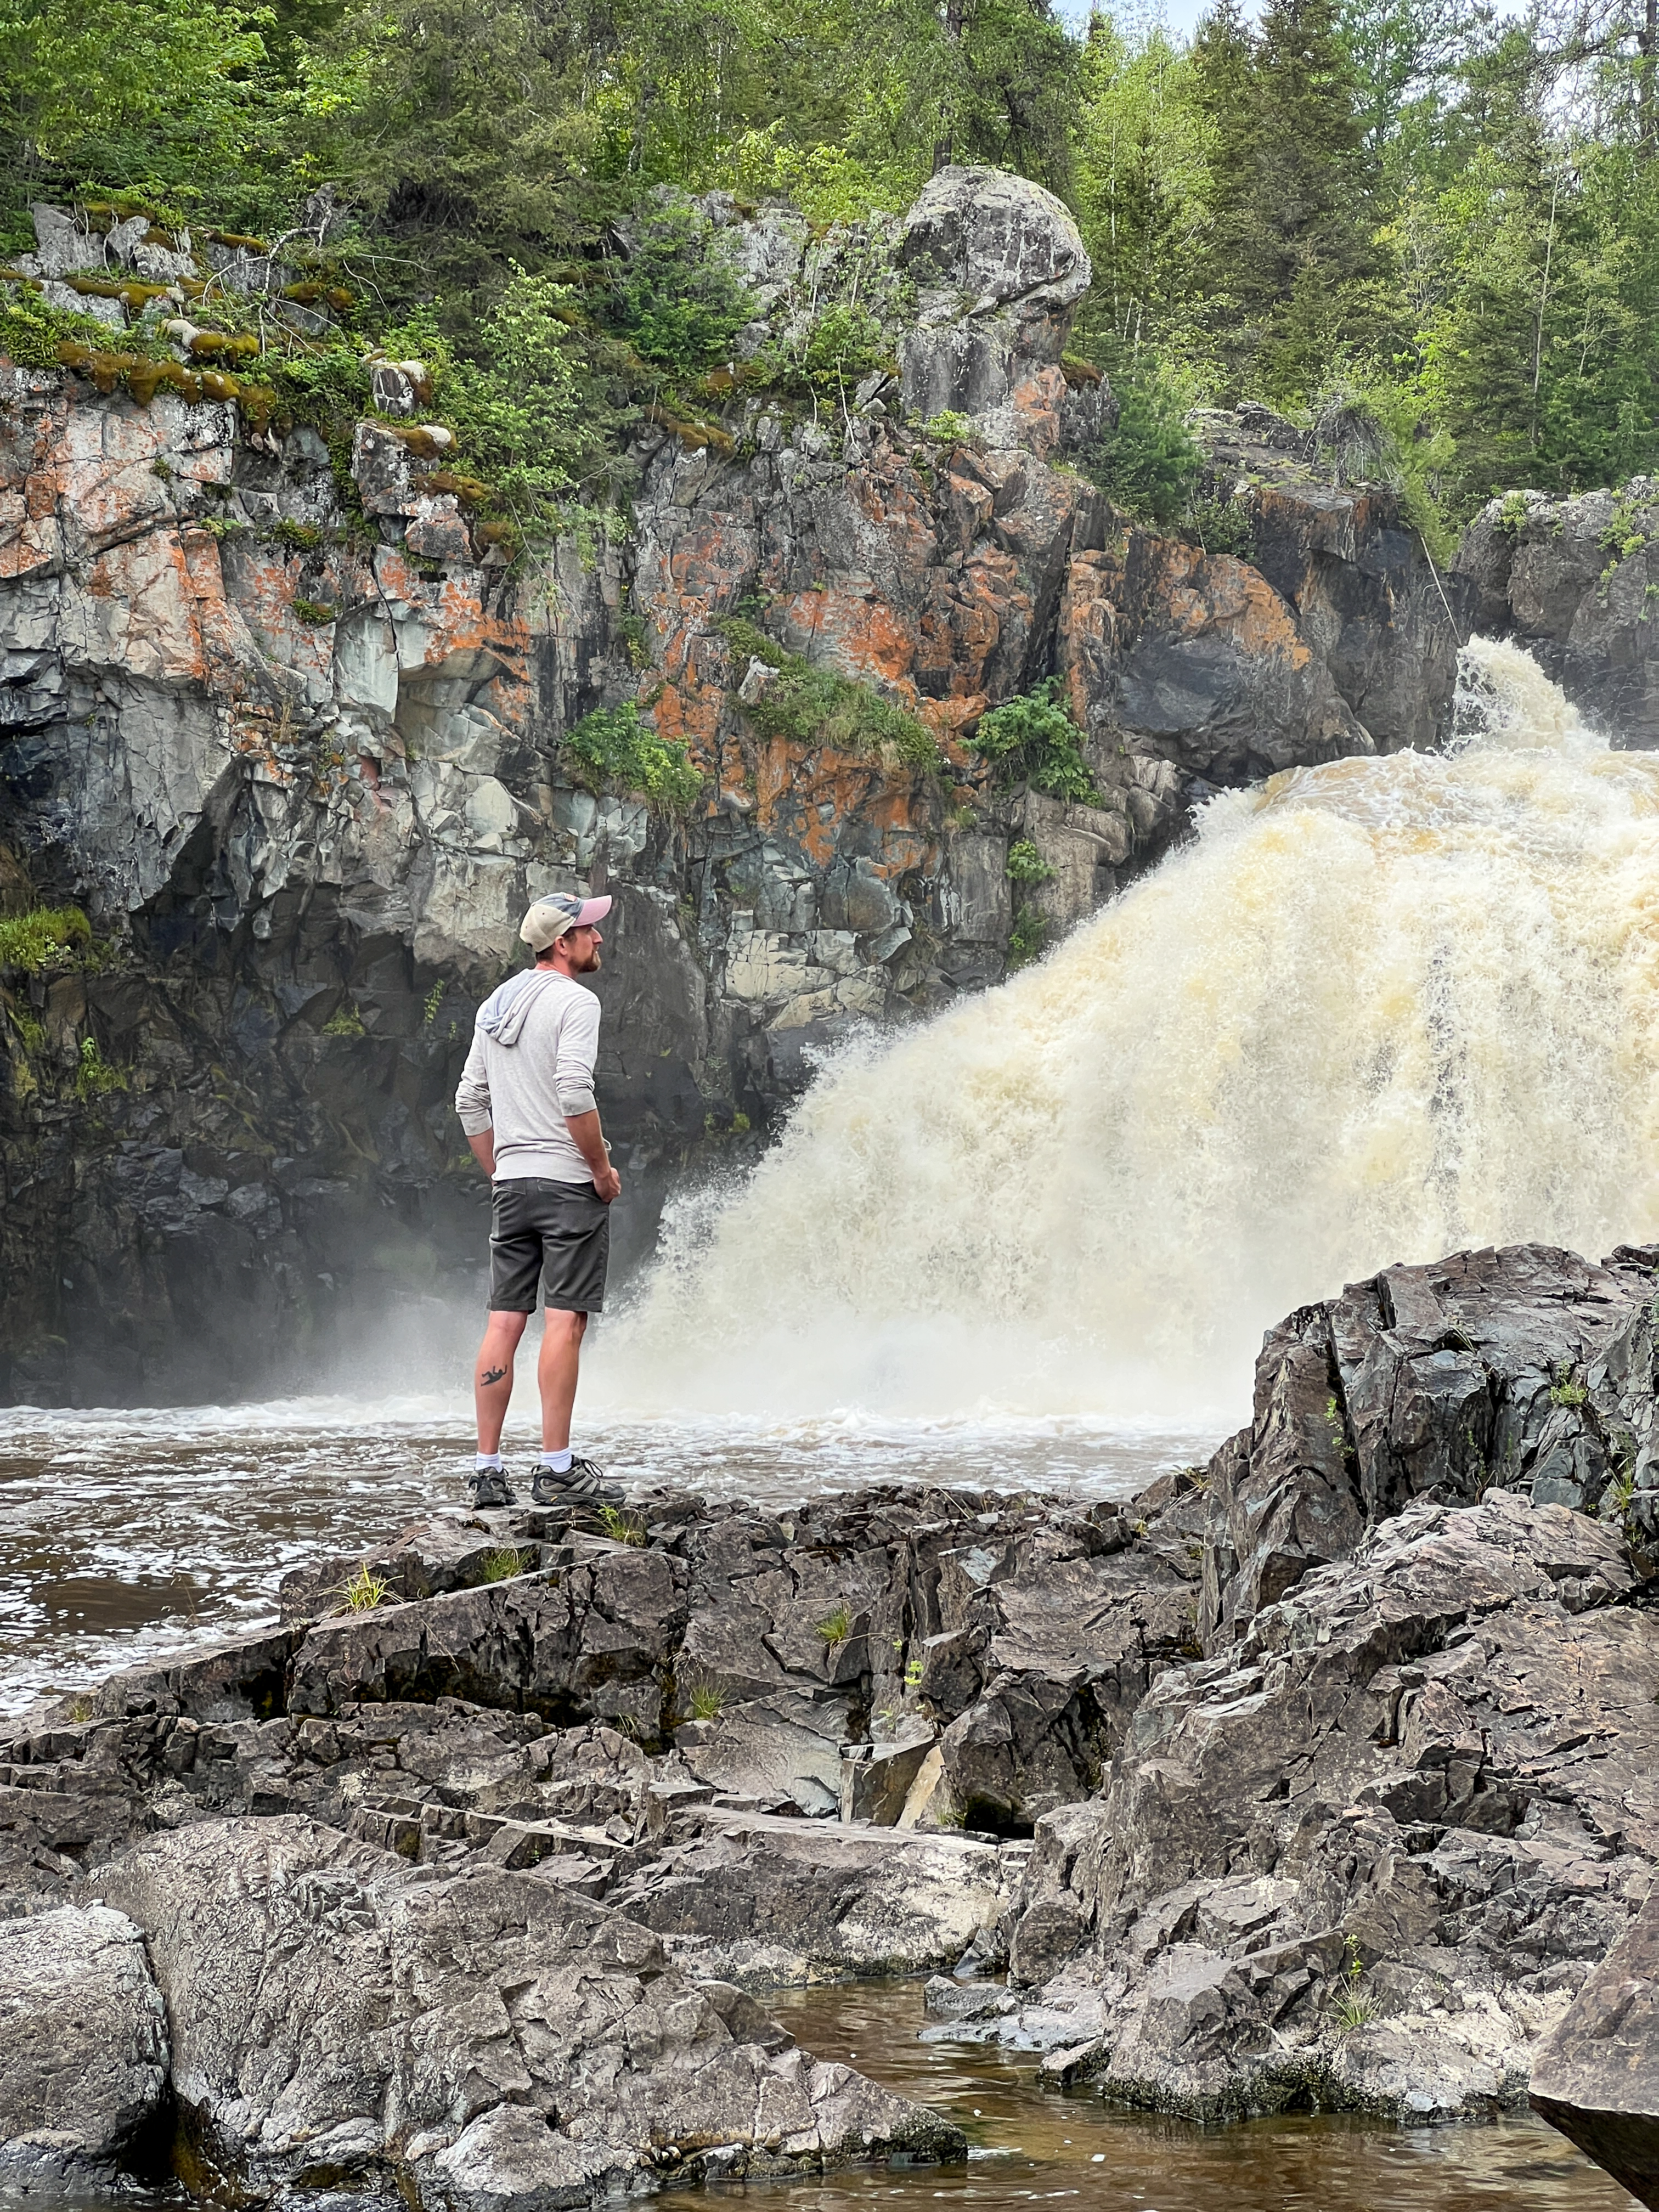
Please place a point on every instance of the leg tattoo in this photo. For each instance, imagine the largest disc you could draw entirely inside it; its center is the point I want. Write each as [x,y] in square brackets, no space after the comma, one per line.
[494,1374]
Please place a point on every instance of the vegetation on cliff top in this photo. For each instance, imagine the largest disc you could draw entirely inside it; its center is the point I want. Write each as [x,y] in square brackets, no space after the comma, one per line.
[1448,215]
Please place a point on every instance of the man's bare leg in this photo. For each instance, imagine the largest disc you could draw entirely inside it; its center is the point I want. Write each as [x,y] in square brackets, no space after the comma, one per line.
[492,1376]
[556,1375]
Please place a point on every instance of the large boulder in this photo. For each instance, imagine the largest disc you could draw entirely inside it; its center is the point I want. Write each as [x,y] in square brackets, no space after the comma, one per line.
[83,2047]
[489,2038]
[1596,2078]
[1528,1366]
[1368,1855]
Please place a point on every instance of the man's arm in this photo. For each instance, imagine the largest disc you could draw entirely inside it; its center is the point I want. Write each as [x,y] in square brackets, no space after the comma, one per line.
[590,1143]
[472,1104]
[579,1046]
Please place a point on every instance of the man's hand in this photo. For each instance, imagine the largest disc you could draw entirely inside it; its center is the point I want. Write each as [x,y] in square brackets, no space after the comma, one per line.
[484,1149]
[589,1141]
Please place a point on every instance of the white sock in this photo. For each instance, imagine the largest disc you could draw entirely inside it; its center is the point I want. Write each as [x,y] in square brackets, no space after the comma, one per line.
[489,1459]
[558,1461]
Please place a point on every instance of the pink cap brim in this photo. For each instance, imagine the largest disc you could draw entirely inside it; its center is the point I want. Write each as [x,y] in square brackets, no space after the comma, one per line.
[592,910]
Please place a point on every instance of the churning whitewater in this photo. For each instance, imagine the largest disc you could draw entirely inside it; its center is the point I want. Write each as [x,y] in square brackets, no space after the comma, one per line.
[1377,1011]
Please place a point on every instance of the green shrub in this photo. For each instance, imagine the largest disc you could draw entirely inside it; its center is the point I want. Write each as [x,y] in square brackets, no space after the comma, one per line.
[94,1076]
[1221,526]
[1034,740]
[616,746]
[1027,939]
[811,705]
[514,406]
[1027,866]
[30,329]
[678,305]
[948,427]
[1149,462]
[45,936]
[843,344]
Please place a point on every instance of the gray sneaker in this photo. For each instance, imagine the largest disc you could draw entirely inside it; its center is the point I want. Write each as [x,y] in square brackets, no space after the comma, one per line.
[581,1484]
[489,1487]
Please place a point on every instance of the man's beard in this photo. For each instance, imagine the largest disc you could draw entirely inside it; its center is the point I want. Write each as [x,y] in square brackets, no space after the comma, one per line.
[585,967]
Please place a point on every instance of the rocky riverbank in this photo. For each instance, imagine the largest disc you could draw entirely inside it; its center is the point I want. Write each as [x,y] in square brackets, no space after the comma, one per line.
[1318,1777]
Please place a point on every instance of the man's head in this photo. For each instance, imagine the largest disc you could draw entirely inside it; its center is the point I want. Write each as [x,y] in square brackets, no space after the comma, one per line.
[563,932]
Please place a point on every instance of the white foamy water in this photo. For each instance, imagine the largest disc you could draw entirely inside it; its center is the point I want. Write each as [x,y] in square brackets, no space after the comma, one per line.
[1377,1011]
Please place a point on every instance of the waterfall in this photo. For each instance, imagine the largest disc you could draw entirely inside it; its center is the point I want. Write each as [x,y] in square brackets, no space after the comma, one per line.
[1375,1011]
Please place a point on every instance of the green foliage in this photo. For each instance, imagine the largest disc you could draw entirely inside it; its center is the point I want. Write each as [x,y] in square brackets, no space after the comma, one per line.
[501,1564]
[708,1701]
[1148,462]
[1026,864]
[1028,940]
[94,1076]
[1568,1393]
[678,302]
[1221,526]
[45,936]
[836,1625]
[365,1589]
[617,747]
[513,402]
[844,343]
[433,999]
[812,706]
[1512,515]
[1034,740]
[156,91]
[344,1022]
[314,610]
[949,427]
[621,1527]
[31,331]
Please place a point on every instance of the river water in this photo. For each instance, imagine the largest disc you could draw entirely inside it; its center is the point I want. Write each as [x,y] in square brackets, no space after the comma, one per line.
[1031,2146]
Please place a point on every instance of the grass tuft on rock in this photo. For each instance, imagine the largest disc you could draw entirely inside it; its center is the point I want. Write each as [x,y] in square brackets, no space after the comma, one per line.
[811,705]
[45,936]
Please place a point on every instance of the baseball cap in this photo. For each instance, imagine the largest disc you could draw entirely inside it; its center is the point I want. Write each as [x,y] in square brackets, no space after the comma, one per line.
[548,919]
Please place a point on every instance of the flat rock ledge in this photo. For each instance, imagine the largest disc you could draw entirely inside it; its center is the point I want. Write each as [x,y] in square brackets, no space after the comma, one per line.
[1321,1777]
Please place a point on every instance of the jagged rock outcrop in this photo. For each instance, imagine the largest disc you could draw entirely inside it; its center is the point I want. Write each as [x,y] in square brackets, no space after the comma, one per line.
[1573,580]
[1594,2077]
[1364,1854]
[1527,1367]
[288,726]
[339,2019]
[1365,1858]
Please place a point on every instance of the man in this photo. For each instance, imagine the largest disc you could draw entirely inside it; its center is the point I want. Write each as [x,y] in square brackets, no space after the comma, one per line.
[525,1101]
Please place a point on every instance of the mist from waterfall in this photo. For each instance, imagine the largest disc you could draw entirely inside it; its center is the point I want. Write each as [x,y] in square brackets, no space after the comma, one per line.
[1375,1011]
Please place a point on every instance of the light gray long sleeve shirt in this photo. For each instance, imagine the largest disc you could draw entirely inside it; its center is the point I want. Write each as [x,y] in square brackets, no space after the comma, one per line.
[530,1064]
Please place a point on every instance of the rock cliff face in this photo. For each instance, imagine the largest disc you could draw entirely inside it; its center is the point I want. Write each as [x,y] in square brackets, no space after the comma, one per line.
[1574,580]
[294,734]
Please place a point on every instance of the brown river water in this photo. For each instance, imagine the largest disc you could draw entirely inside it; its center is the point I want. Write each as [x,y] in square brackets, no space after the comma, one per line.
[1033,2147]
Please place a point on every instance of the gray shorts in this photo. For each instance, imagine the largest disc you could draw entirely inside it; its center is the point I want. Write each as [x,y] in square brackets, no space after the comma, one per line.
[556,1232]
